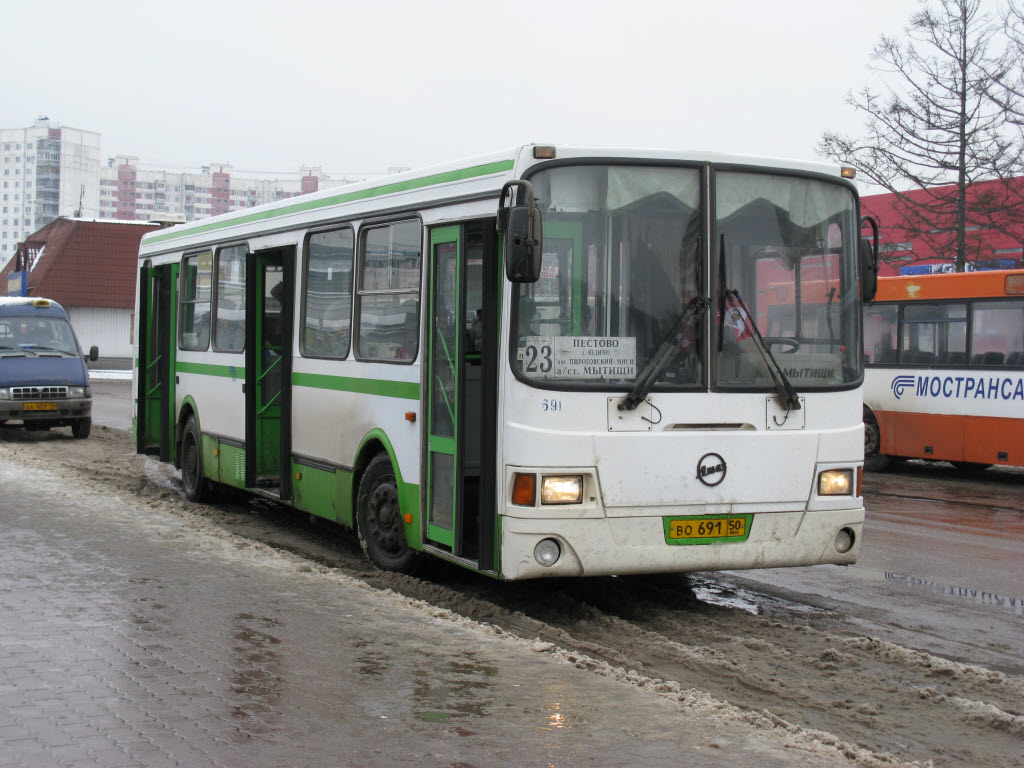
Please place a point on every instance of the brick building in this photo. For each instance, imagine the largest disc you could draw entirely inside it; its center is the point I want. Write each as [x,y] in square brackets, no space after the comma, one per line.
[994,234]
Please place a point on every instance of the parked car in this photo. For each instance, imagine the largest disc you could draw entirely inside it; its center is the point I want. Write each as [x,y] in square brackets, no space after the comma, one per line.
[44,381]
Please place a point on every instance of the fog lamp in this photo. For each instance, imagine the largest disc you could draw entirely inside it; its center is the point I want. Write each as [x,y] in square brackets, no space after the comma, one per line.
[562,489]
[844,540]
[835,482]
[547,552]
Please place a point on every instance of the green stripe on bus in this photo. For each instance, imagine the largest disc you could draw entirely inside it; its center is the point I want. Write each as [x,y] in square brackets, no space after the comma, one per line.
[207,369]
[405,390]
[364,194]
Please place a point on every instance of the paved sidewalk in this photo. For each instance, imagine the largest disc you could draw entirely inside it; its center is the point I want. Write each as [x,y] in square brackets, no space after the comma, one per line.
[134,637]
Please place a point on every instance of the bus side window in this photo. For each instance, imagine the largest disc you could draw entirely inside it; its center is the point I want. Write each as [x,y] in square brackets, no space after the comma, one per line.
[880,334]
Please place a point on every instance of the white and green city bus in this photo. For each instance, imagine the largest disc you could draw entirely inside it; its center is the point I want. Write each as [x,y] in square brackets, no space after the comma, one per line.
[549,361]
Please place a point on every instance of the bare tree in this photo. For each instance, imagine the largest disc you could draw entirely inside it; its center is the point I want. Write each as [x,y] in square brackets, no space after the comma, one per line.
[941,124]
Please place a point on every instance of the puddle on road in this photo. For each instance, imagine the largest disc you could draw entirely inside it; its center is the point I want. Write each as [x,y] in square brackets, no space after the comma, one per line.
[979,596]
[732,596]
[457,689]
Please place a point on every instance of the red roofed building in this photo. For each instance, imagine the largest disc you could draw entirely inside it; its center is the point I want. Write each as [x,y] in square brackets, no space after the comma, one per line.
[91,268]
[994,233]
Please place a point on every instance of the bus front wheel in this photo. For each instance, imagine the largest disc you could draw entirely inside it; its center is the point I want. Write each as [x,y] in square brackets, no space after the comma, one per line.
[379,519]
[192,476]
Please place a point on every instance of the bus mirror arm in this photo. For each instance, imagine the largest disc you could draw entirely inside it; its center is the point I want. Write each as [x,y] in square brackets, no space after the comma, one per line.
[522,226]
[869,261]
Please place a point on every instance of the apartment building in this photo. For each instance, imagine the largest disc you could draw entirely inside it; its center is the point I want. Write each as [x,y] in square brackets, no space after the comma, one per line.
[128,192]
[46,170]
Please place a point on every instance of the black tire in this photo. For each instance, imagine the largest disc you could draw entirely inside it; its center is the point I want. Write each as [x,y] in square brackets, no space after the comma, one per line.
[873,460]
[81,428]
[193,478]
[379,520]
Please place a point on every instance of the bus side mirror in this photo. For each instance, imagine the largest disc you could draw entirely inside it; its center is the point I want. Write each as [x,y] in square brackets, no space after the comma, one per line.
[522,226]
[523,245]
[869,262]
[94,353]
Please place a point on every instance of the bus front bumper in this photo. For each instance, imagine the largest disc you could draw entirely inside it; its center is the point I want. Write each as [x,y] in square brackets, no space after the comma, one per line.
[634,545]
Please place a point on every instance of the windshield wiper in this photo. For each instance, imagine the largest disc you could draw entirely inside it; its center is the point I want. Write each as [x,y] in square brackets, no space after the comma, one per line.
[669,348]
[23,350]
[52,349]
[788,396]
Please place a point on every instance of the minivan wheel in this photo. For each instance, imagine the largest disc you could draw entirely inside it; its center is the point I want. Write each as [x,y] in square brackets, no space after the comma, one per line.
[81,428]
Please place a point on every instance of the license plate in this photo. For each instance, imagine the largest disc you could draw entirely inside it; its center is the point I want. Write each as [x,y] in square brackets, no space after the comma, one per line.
[705,529]
[39,407]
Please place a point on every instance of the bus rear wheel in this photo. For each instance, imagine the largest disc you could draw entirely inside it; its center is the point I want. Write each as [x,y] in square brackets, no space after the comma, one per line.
[192,476]
[379,519]
[873,460]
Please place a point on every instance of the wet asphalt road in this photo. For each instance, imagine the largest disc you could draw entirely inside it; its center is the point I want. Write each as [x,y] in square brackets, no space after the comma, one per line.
[123,646]
[942,557]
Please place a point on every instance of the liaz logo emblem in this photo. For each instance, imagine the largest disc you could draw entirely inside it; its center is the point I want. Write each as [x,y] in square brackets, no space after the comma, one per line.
[900,384]
[711,469]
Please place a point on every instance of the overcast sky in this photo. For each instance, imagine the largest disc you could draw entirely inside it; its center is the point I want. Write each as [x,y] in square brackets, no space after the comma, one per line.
[356,87]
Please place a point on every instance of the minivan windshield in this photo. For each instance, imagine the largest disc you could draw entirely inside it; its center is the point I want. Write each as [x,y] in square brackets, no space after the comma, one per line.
[39,335]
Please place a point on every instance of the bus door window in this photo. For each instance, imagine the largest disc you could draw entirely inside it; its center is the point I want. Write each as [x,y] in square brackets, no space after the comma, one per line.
[273,295]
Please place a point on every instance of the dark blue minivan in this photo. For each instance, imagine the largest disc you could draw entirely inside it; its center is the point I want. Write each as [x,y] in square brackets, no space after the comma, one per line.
[43,378]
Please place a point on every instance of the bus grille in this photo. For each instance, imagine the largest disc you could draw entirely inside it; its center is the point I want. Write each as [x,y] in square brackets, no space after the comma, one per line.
[38,393]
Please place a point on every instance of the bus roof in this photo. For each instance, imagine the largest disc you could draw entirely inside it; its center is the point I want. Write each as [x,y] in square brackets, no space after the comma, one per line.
[475,177]
[951,285]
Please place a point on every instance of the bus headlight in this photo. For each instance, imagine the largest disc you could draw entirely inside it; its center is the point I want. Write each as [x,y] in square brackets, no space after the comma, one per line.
[561,489]
[835,482]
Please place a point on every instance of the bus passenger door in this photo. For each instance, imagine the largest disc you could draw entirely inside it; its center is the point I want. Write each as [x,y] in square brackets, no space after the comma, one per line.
[461,391]
[444,378]
[155,403]
[268,371]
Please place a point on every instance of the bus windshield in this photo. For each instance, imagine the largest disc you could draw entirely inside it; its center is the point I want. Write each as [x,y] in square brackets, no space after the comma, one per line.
[624,258]
[787,245]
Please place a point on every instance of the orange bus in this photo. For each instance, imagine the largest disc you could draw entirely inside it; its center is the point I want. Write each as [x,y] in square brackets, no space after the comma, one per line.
[944,370]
